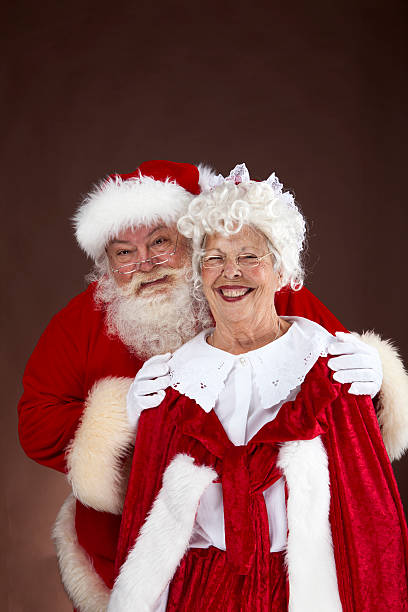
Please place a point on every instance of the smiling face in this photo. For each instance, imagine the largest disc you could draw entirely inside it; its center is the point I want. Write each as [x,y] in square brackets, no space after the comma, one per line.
[151,309]
[237,293]
[141,244]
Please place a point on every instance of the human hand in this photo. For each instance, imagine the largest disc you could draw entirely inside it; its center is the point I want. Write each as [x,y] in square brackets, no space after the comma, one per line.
[147,389]
[358,363]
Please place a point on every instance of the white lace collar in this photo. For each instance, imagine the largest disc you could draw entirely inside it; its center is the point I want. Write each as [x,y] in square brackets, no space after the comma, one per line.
[199,370]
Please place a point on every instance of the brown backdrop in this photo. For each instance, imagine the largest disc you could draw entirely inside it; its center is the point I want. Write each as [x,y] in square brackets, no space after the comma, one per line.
[313,90]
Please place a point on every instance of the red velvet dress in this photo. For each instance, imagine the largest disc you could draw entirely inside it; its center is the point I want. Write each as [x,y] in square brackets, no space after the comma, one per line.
[367,522]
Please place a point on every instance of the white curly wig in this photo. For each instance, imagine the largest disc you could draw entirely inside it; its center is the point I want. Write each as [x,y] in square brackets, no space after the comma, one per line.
[272,212]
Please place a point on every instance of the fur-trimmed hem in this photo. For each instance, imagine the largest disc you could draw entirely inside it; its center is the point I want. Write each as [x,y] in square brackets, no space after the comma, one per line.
[85,588]
[163,539]
[96,457]
[393,396]
[309,552]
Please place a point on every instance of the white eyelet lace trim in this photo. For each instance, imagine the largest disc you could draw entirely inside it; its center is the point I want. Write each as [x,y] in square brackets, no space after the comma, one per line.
[276,385]
[199,379]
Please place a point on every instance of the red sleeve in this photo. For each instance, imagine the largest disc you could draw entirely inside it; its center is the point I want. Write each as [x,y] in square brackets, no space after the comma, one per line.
[53,397]
[303,303]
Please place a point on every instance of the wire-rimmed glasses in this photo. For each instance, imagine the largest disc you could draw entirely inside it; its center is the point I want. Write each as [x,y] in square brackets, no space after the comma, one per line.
[155,260]
[244,260]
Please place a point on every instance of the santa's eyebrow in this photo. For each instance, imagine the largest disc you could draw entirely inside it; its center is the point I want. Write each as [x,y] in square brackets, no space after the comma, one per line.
[159,227]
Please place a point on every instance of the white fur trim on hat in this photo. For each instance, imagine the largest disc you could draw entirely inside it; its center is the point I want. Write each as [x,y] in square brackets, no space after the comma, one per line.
[96,457]
[206,177]
[116,204]
[393,397]
[83,585]
[163,539]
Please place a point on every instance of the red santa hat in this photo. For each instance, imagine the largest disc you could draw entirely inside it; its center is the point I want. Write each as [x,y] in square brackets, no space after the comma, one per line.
[157,190]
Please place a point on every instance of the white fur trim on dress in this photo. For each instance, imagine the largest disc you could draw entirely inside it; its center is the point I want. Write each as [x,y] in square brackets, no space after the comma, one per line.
[309,554]
[163,539]
[85,588]
[393,396]
[116,204]
[97,456]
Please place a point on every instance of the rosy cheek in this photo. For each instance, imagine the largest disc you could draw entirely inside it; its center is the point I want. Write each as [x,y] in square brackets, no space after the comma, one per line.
[207,290]
[207,278]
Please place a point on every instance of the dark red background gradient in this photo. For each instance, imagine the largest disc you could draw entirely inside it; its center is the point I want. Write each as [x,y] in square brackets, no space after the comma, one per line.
[312,90]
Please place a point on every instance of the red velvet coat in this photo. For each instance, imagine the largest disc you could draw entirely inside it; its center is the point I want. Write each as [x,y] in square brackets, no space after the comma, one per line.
[369,533]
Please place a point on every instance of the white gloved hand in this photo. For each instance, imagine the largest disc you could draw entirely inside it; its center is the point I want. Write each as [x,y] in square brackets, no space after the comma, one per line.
[358,363]
[147,390]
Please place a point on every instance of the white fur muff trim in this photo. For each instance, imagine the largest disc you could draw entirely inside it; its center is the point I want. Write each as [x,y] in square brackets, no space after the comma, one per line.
[85,588]
[97,455]
[309,553]
[163,539]
[393,396]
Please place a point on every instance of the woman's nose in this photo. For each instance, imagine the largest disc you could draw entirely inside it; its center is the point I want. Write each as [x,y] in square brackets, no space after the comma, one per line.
[231,269]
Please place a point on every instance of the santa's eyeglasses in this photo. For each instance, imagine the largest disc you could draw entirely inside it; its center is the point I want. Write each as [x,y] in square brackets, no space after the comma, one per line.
[155,260]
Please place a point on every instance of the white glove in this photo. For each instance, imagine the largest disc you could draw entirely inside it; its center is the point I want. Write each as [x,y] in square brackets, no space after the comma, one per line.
[358,364]
[147,390]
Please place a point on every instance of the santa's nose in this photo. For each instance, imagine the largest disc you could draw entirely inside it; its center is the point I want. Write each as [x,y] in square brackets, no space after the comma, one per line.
[146,266]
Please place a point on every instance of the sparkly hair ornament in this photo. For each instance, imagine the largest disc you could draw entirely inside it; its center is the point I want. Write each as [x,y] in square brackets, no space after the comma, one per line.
[240,174]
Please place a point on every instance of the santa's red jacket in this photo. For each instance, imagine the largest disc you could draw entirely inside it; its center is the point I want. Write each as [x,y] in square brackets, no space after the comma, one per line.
[72,418]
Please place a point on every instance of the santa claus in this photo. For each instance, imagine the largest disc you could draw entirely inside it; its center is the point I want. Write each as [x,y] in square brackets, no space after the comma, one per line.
[138,304]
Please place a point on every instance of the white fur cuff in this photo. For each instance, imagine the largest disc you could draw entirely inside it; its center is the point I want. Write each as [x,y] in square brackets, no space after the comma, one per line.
[97,470]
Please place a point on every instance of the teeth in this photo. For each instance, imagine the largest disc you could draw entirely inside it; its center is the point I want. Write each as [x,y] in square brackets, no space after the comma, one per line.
[233,292]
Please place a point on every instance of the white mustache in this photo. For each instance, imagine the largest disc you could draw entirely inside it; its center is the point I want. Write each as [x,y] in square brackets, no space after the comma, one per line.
[139,279]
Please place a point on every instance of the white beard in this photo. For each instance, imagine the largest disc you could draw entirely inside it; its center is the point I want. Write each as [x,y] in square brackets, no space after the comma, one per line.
[148,320]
